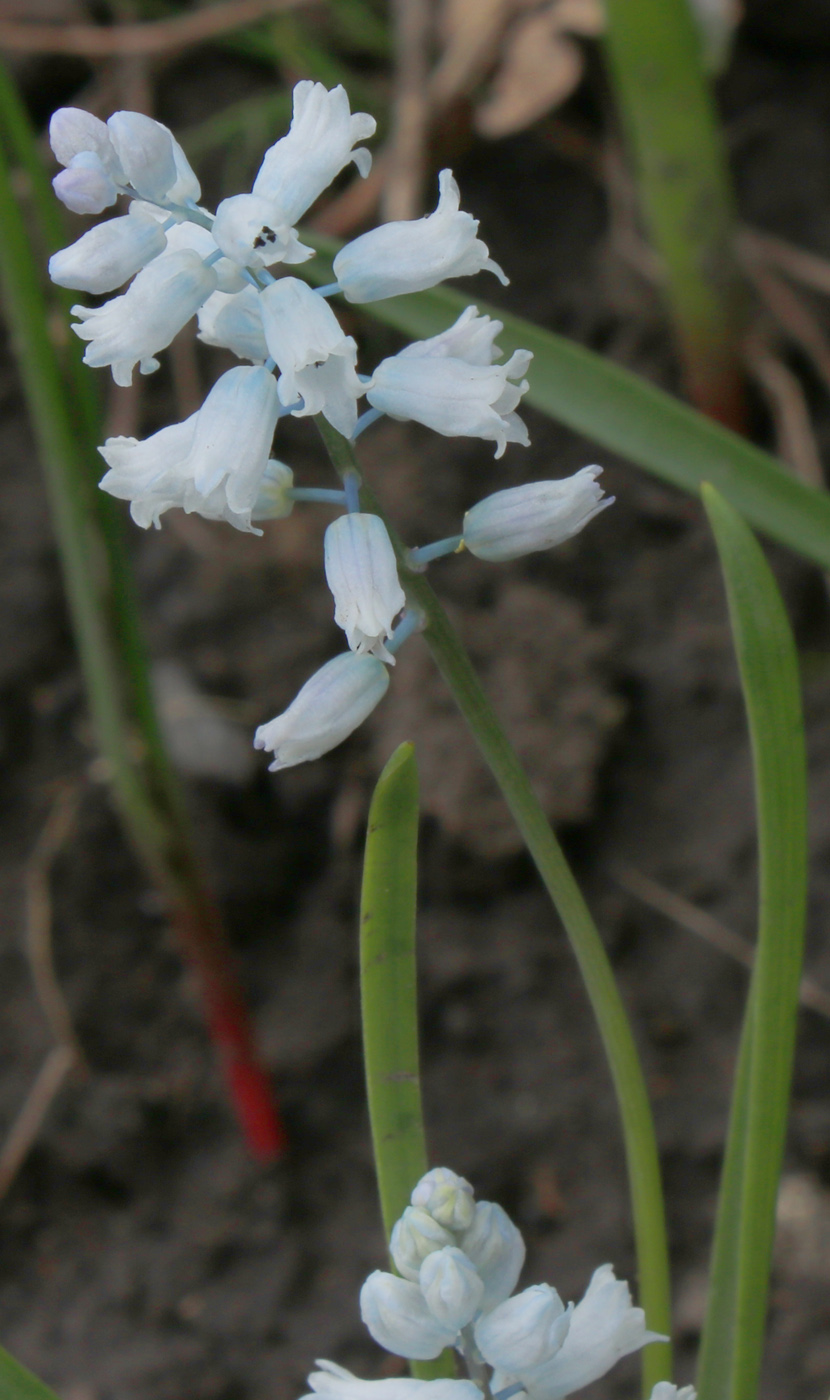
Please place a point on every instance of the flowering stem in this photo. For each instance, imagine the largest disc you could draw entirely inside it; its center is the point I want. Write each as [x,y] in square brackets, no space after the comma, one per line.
[107,633]
[637,1123]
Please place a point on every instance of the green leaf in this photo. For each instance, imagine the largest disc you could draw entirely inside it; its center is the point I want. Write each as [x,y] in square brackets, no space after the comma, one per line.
[684,188]
[388,994]
[734,1332]
[625,415]
[16,1383]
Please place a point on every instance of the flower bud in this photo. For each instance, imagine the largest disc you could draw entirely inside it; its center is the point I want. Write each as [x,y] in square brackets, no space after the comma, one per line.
[525,1331]
[415,1236]
[398,1318]
[273,501]
[664,1390]
[362,573]
[447,1197]
[74,132]
[451,1287]
[541,514]
[234,322]
[497,1249]
[329,707]
[145,149]
[85,186]
[108,255]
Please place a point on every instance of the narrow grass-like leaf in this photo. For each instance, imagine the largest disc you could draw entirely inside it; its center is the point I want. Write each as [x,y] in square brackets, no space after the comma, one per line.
[642,1161]
[16,1383]
[388,995]
[683,184]
[734,1333]
[625,415]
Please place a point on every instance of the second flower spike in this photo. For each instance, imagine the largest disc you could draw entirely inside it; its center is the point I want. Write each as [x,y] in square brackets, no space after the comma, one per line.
[363,576]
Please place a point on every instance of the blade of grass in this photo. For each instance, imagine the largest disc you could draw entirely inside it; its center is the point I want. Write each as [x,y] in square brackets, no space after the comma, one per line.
[734,1333]
[16,1383]
[388,997]
[642,1161]
[99,589]
[656,61]
[614,408]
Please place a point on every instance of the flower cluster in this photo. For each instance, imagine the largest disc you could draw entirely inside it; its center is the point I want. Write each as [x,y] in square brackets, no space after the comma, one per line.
[458,1262]
[227,269]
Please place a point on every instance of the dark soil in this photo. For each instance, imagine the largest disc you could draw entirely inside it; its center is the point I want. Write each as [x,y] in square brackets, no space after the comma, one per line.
[142,1255]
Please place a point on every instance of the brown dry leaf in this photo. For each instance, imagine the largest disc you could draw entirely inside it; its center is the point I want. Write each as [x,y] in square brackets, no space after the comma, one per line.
[470,33]
[541,65]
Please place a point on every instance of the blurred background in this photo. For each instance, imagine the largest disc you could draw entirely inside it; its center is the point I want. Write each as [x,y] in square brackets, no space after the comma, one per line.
[143,1255]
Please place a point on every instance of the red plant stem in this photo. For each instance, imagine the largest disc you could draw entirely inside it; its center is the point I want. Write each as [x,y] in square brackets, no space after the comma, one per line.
[199,927]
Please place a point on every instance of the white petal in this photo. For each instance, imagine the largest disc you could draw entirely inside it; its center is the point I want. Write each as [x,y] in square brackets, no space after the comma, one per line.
[604,1328]
[398,1318]
[108,255]
[447,1197]
[497,1249]
[525,1331]
[329,707]
[316,360]
[451,1287]
[470,338]
[317,147]
[412,255]
[536,516]
[362,573]
[415,1236]
[451,396]
[336,1383]
[145,149]
[235,323]
[85,186]
[131,328]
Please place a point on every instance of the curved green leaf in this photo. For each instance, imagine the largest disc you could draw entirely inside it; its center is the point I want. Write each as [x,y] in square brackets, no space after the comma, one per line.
[16,1383]
[734,1332]
[625,415]
[388,995]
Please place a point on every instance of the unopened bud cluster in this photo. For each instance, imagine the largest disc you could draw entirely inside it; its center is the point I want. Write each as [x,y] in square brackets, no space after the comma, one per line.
[458,1262]
[229,269]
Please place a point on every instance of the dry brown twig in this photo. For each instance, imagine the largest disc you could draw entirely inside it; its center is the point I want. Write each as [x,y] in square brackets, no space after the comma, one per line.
[711,930]
[402,190]
[155,37]
[66,1054]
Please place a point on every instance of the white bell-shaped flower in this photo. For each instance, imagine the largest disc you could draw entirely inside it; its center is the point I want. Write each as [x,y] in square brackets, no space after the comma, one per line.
[451,1287]
[362,573]
[317,147]
[234,322]
[85,186]
[604,1327]
[336,1383]
[664,1390]
[109,254]
[539,515]
[396,1313]
[74,132]
[214,463]
[411,255]
[128,330]
[453,397]
[525,1331]
[316,360]
[447,1197]
[413,1237]
[329,707]
[251,231]
[497,1250]
[145,151]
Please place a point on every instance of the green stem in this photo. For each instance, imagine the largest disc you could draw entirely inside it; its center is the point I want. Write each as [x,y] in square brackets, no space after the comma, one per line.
[637,1124]
[655,56]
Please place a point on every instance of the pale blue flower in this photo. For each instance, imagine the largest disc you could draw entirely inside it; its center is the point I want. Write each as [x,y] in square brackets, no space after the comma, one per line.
[317,147]
[326,710]
[362,573]
[535,516]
